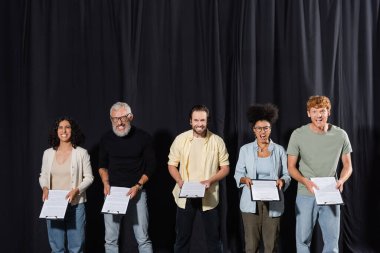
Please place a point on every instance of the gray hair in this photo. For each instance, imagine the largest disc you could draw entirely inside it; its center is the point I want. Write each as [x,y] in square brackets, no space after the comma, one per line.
[118,105]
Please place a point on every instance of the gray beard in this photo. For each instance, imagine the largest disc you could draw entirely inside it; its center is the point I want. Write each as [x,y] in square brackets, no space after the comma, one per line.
[123,133]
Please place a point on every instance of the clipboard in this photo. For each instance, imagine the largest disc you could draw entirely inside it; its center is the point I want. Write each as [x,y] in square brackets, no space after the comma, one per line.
[117,201]
[54,208]
[327,194]
[264,190]
[192,190]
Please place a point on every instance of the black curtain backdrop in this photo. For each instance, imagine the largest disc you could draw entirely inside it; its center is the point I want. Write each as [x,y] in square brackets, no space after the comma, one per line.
[77,57]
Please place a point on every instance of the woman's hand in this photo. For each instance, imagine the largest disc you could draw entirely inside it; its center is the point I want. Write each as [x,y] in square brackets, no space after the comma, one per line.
[72,194]
[246,180]
[45,194]
[280,183]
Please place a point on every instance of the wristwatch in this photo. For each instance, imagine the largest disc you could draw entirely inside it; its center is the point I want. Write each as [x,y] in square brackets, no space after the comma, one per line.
[139,185]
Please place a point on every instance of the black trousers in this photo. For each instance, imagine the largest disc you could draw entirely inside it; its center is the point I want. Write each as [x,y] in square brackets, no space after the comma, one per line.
[184,227]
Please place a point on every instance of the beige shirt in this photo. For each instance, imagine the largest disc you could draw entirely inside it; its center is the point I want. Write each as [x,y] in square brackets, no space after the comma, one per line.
[213,155]
[194,173]
[60,174]
[80,171]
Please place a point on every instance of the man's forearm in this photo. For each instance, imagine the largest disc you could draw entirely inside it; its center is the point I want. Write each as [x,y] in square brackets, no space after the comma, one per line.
[296,174]
[347,167]
[345,173]
[293,171]
[173,171]
[144,178]
[222,173]
[103,172]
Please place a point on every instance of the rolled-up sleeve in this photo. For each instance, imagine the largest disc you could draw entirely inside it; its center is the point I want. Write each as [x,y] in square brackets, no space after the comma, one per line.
[240,170]
[223,154]
[174,153]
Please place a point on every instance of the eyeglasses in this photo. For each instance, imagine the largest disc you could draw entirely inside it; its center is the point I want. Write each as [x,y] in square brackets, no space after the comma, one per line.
[264,129]
[123,119]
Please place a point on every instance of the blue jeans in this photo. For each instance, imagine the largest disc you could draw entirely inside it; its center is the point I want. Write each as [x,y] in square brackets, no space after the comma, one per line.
[307,212]
[138,210]
[184,227]
[72,226]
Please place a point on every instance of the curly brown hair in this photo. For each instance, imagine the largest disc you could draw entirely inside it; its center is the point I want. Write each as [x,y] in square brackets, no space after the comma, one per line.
[77,136]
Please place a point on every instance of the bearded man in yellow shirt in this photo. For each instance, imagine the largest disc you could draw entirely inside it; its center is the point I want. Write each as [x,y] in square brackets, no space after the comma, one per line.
[198,155]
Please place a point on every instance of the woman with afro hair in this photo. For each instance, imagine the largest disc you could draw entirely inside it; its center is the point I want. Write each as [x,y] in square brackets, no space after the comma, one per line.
[261,160]
[66,166]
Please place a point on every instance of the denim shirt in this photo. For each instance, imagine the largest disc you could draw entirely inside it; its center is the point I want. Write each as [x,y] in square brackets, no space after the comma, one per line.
[247,166]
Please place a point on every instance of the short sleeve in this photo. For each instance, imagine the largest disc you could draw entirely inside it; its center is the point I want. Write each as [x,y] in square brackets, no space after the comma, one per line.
[174,153]
[223,153]
[293,146]
[346,144]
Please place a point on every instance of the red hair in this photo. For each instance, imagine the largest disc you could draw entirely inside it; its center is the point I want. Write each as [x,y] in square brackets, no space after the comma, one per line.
[318,102]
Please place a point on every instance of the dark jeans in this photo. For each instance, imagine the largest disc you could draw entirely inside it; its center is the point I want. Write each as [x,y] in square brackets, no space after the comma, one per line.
[184,227]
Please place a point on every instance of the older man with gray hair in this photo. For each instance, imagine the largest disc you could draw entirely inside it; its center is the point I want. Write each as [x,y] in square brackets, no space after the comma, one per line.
[126,159]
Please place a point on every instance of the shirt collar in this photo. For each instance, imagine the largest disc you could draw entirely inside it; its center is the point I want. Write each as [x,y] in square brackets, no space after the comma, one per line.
[190,135]
[270,147]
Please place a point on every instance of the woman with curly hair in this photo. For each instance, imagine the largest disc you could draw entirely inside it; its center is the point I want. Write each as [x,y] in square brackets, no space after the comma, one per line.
[66,166]
[263,160]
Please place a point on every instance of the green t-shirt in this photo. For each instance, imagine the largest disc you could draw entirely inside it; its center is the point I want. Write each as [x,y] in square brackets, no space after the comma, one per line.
[319,153]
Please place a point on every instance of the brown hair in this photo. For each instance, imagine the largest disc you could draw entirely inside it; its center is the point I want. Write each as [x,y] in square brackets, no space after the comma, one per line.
[318,102]
[198,108]
[77,136]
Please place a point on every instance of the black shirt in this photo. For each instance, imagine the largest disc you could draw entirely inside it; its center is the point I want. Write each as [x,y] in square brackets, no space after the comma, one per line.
[127,158]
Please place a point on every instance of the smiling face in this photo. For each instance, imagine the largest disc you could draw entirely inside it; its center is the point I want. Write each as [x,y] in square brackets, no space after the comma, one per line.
[64,131]
[318,117]
[121,124]
[198,123]
[262,130]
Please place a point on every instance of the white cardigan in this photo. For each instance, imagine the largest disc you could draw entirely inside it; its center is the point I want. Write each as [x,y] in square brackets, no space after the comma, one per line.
[81,172]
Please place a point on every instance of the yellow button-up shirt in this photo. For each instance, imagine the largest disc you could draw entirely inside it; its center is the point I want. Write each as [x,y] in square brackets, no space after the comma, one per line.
[214,155]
